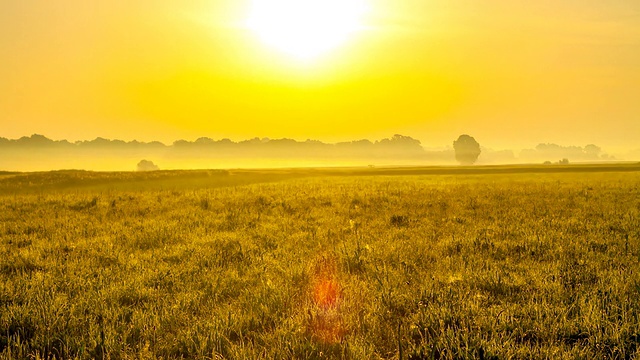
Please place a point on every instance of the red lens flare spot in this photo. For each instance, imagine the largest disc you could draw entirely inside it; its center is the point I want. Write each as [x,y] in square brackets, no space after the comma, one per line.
[325,322]
[326,293]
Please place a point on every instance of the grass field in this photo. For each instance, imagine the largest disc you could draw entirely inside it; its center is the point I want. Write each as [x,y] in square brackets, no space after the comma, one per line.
[407,263]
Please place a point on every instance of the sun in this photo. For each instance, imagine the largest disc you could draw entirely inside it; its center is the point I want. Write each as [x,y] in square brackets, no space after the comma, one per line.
[306,29]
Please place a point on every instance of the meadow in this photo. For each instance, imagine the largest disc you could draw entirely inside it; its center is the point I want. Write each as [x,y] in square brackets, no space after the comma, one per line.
[460,263]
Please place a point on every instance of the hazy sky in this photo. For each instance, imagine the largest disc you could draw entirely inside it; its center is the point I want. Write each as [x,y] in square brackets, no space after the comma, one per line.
[512,73]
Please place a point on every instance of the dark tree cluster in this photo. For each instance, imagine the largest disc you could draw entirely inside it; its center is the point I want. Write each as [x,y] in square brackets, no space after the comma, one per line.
[467,150]
[146,165]
[398,146]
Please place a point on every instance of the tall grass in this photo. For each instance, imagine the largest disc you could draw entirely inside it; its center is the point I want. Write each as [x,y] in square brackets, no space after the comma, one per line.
[411,267]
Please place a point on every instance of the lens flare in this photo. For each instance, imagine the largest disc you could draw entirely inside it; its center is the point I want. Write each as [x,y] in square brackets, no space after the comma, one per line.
[325,293]
[325,317]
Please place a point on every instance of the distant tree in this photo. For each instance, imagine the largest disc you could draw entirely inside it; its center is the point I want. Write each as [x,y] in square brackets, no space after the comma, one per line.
[225,141]
[146,165]
[400,141]
[467,150]
[35,140]
[156,144]
[97,142]
[564,161]
[397,146]
[592,151]
[181,143]
[204,141]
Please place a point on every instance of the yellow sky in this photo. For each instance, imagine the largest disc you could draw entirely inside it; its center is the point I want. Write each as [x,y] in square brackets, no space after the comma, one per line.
[511,73]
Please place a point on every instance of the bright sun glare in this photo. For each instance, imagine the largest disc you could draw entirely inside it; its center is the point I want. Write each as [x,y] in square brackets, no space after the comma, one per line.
[306,29]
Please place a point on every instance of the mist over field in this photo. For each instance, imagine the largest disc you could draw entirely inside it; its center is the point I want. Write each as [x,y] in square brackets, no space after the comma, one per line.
[39,153]
[319,179]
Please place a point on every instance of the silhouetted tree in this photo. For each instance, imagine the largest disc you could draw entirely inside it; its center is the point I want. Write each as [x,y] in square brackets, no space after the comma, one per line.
[35,140]
[146,165]
[592,151]
[399,146]
[467,150]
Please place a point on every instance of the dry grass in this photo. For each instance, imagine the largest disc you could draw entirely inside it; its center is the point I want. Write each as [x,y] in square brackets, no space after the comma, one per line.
[310,266]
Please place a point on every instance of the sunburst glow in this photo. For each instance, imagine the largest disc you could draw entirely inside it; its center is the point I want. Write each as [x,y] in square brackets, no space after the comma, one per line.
[305,29]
